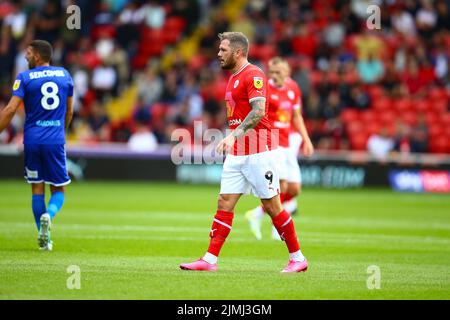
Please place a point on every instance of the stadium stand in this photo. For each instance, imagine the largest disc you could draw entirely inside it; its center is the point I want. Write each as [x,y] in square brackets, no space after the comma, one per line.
[155,62]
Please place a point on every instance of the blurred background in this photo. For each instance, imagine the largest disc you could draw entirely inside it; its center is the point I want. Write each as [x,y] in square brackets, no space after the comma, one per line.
[375,102]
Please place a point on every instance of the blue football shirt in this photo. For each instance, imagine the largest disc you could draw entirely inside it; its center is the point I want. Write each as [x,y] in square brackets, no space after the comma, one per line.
[44,91]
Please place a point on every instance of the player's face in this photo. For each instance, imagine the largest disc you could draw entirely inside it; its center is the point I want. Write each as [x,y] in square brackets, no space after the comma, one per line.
[226,55]
[30,56]
[276,74]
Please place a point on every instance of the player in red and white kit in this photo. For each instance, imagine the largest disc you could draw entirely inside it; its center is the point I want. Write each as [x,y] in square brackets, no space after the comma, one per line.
[285,116]
[250,165]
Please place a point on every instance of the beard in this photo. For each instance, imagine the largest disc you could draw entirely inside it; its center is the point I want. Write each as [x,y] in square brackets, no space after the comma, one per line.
[228,64]
[31,63]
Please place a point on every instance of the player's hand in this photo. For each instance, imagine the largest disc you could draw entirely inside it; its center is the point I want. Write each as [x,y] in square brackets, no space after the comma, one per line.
[307,148]
[226,144]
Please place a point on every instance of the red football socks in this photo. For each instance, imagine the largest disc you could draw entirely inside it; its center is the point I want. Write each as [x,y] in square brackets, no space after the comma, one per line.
[220,229]
[285,227]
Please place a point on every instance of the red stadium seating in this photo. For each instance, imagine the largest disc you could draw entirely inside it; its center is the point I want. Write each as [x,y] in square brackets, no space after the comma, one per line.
[369,116]
[409,117]
[421,105]
[402,105]
[440,144]
[382,104]
[440,105]
[349,115]
[375,92]
[435,131]
[387,117]
[174,24]
[358,141]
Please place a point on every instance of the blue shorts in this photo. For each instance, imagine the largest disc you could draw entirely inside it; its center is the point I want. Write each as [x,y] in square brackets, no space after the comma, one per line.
[46,163]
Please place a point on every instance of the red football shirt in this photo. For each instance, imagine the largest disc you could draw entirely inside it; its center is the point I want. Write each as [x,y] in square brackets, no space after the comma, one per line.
[282,101]
[248,84]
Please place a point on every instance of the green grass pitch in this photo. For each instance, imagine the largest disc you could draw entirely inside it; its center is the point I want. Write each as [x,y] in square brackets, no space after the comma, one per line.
[128,240]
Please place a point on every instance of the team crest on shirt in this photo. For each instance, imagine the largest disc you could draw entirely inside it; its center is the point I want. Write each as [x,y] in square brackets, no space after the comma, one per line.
[16,85]
[291,94]
[258,82]
[236,83]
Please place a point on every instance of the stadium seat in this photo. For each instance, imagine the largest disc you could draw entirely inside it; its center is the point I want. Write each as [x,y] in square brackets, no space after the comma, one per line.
[349,115]
[369,116]
[445,119]
[382,104]
[174,24]
[402,105]
[373,127]
[437,93]
[439,105]
[387,117]
[431,118]
[375,92]
[358,141]
[435,131]
[421,105]
[440,144]
[354,128]
[409,117]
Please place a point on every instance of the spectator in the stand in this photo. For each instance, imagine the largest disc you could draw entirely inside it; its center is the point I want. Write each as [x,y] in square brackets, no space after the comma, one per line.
[142,140]
[332,107]
[419,136]
[154,14]
[443,16]
[303,41]
[301,74]
[128,25]
[312,107]
[403,138]
[441,63]
[48,22]
[104,79]
[141,113]
[99,124]
[150,86]
[170,87]
[368,44]
[16,21]
[403,22]
[414,83]
[370,70]
[359,97]
[426,19]
[118,59]
[391,83]
[81,86]
[380,144]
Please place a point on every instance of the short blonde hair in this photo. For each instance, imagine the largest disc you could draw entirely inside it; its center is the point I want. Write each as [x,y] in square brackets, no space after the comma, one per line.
[283,62]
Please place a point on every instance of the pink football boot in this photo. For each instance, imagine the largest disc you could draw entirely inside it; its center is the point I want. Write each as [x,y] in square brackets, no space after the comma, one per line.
[199,265]
[296,266]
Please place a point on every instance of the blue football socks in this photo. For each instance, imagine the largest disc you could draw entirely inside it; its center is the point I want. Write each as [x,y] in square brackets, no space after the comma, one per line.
[38,206]
[55,203]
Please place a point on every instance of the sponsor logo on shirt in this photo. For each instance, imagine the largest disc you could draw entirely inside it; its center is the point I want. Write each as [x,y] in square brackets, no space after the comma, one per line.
[234,122]
[291,94]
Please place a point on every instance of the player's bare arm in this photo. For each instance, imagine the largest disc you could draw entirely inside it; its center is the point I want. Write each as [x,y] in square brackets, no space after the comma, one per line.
[251,120]
[299,125]
[69,112]
[9,111]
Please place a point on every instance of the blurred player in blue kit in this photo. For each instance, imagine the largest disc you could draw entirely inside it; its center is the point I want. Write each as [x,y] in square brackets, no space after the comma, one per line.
[46,93]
